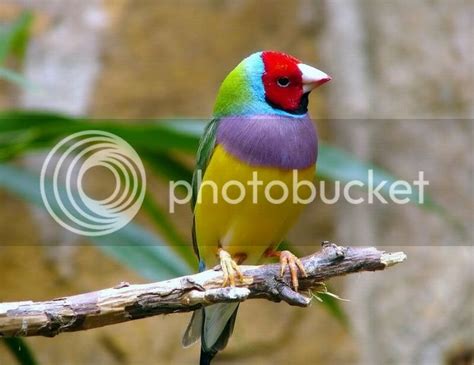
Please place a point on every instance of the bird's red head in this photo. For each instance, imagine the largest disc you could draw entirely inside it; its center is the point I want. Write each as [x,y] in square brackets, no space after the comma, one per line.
[287,82]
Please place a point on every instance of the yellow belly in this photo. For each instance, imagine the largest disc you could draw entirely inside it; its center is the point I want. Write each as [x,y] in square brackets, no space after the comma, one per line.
[245,223]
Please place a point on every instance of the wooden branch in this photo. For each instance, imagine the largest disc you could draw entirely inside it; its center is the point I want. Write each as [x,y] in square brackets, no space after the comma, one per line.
[127,302]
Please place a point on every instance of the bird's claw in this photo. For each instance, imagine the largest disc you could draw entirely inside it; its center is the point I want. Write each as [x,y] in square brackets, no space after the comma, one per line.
[229,268]
[287,259]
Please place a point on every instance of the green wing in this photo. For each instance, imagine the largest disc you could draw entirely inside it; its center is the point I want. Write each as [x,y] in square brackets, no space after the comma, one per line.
[204,154]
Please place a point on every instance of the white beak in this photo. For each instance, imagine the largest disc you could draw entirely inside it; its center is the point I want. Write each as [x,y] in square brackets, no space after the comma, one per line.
[312,77]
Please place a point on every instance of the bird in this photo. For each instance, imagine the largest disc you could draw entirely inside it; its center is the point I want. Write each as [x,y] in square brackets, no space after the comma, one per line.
[261,127]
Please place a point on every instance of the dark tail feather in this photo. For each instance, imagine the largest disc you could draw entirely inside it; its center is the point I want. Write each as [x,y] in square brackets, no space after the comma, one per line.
[206,357]
[208,354]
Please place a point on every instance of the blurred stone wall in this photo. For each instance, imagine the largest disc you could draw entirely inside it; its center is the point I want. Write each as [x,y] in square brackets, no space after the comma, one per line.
[407,70]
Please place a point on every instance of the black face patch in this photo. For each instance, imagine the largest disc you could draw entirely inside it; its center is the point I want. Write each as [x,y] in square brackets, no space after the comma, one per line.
[300,110]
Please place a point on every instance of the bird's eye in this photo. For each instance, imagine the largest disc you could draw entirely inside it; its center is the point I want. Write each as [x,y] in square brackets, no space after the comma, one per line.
[283,81]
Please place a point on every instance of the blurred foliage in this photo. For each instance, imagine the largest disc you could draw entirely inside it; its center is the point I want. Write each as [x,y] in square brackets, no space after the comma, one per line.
[20,350]
[14,37]
[133,245]
[13,41]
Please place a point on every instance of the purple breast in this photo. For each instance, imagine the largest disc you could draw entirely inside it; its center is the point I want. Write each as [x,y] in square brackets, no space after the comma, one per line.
[272,141]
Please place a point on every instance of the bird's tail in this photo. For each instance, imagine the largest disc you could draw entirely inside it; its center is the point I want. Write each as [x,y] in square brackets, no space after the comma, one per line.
[214,324]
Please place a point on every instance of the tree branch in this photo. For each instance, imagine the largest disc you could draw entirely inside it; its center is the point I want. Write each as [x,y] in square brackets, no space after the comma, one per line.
[127,302]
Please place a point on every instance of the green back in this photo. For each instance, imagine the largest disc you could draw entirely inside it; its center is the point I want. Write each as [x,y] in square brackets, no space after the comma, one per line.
[204,154]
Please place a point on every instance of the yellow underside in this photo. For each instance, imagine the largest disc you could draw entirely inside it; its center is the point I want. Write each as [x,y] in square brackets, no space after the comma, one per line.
[253,225]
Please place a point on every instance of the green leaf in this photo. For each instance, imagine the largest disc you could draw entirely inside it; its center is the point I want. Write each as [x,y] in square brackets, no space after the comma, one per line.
[334,307]
[336,164]
[144,252]
[20,350]
[133,245]
[14,37]
[167,166]
[171,169]
[166,227]
[41,129]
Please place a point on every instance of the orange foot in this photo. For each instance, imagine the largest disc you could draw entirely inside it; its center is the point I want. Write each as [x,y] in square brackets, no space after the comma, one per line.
[287,259]
[294,263]
[229,268]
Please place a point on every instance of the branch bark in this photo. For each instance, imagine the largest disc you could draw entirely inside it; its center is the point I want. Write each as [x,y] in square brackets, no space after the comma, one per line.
[127,302]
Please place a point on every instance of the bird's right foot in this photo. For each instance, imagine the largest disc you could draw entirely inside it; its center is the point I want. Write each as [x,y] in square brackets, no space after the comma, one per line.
[229,268]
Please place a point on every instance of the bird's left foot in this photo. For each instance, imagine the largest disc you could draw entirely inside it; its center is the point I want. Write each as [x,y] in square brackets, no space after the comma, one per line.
[229,268]
[288,259]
